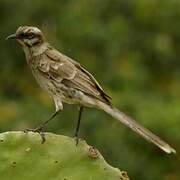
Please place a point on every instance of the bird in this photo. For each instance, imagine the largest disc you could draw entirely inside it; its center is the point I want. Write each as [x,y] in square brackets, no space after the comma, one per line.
[67,81]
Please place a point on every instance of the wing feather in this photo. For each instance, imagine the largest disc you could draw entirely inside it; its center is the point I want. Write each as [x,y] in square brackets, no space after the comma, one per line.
[72,74]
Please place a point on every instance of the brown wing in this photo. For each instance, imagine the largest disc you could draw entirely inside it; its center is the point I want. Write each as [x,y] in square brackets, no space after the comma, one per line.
[56,67]
[73,75]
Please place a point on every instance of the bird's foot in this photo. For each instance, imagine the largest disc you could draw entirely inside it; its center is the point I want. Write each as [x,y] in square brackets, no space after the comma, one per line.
[76,139]
[37,130]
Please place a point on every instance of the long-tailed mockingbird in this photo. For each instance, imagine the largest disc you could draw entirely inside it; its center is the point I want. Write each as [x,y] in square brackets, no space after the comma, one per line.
[67,81]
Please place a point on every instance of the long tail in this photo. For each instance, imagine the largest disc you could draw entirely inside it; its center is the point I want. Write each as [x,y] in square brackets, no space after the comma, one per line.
[135,126]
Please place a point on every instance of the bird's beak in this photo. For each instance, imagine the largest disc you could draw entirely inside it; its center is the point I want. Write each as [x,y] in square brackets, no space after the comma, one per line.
[12,36]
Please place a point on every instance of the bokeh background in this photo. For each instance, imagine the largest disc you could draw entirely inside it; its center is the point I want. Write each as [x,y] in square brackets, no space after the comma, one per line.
[131,47]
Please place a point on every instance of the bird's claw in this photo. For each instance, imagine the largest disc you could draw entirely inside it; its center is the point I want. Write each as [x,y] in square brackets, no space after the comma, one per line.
[76,140]
[37,130]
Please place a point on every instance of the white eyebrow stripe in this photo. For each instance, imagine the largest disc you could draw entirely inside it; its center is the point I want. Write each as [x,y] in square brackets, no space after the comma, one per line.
[30,29]
[27,30]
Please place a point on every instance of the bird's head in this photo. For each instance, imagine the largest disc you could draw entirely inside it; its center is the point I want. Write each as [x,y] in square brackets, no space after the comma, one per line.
[28,36]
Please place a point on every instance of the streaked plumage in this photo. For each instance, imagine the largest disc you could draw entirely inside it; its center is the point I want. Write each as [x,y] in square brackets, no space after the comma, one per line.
[67,81]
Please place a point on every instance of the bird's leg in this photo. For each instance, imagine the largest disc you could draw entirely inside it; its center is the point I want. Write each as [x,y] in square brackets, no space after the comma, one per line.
[40,128]
[48,120]
[78,124]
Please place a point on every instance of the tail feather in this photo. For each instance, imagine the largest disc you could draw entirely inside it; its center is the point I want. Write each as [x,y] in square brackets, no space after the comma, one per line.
[135,126]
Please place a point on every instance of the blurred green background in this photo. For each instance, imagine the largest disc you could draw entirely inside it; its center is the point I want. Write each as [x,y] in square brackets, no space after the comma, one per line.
[131,47]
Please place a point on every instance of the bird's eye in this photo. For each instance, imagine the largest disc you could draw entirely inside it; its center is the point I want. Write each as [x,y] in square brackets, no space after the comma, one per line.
[29,35]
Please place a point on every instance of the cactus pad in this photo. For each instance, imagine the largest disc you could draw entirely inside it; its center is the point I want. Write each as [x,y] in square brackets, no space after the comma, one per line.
[22,156]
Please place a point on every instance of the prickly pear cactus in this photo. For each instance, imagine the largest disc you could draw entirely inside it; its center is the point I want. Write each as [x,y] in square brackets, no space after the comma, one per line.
[22,156]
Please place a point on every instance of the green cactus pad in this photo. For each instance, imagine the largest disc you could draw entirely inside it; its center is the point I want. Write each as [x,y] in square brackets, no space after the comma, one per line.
[23,157]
